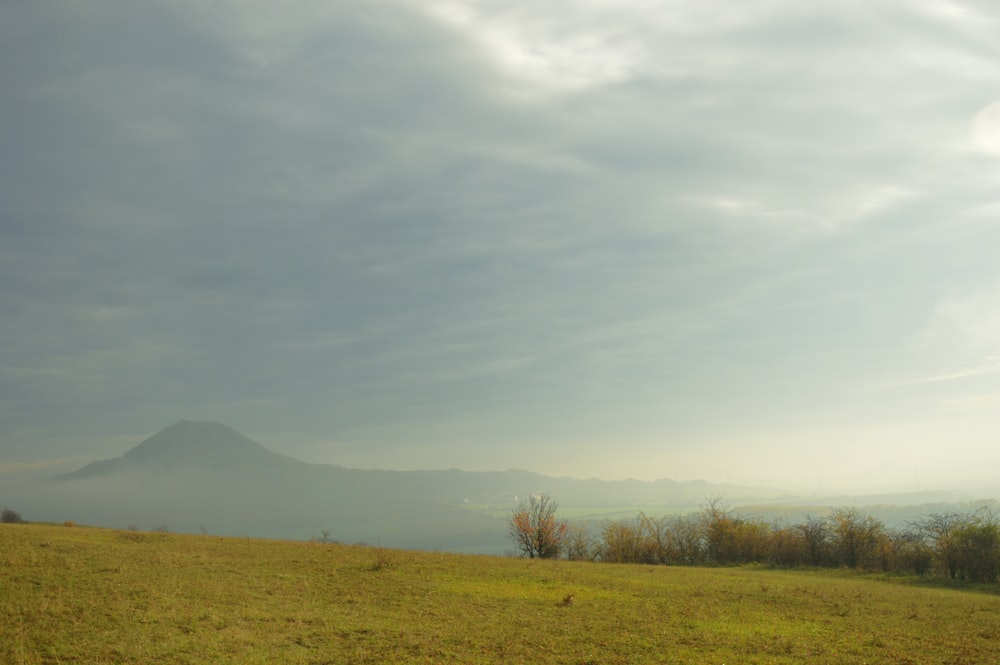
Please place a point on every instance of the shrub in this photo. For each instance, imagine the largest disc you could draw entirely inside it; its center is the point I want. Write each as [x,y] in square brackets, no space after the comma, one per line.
[325,537]
[535,529]
[625,541]
[383,560]
[785,547]
[940,531]
[816,537]
[979,550]
[856,538]
[9,516]
[579,545]
[963,547]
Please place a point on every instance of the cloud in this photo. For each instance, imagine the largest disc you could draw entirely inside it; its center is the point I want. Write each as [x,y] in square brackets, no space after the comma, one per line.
[543,51]
[353,221]
[967,325]
[938,378]
[986,129]
[956,349]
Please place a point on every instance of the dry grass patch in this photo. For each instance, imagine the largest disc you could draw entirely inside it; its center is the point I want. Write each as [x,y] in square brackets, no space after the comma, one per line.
[87,595]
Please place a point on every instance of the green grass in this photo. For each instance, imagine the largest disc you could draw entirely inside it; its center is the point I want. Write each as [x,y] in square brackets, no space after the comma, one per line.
[82,595]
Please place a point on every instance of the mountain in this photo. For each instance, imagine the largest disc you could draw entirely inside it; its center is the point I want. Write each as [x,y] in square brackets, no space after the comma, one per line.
[189,445]
[205,476]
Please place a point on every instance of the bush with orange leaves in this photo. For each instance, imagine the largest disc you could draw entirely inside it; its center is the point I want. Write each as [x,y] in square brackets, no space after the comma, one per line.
[535,529]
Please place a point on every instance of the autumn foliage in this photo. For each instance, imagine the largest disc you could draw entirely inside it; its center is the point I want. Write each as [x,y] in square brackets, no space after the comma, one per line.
[535,529]
[961,547]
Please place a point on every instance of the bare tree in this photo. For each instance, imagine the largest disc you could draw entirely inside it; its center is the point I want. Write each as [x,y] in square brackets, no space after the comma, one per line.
[535,530]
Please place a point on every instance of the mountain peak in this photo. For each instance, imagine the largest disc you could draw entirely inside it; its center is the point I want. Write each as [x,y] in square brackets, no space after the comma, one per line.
[190,444]
[189,440]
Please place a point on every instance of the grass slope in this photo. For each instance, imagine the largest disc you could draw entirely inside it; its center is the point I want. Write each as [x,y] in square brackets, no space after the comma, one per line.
[81,595]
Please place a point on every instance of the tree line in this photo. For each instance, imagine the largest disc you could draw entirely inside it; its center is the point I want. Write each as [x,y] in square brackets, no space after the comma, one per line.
[960,546]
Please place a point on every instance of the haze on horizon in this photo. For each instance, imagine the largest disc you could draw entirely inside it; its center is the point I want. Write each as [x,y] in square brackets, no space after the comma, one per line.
[748,242]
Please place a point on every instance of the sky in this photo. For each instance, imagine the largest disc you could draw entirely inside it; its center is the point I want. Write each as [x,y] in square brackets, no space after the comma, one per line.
[751,241]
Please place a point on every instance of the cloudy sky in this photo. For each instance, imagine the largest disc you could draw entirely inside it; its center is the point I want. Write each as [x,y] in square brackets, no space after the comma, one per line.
[754,241]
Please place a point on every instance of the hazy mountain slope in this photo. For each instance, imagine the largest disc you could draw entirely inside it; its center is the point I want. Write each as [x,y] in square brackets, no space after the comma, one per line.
[205,476]
[194,476]
[191,445]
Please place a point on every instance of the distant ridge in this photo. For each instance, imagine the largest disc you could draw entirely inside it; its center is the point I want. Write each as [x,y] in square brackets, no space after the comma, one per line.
[206,476]
[189,445]
[199,446]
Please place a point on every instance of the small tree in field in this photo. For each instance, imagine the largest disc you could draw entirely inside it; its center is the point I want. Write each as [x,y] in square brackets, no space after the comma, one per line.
[535,530]
[9,516]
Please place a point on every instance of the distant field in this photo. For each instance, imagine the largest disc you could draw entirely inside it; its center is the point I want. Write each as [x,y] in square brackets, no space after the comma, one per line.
[82,595]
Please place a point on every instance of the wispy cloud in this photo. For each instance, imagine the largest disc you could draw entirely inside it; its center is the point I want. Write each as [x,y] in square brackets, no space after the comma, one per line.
[349,221]
[992,368]
[545,51]
[966,326]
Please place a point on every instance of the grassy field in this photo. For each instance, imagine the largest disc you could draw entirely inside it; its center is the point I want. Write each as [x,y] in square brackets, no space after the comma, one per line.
[82,595]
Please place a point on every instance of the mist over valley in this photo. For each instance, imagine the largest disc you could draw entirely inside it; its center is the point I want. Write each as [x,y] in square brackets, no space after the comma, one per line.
[205,477]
